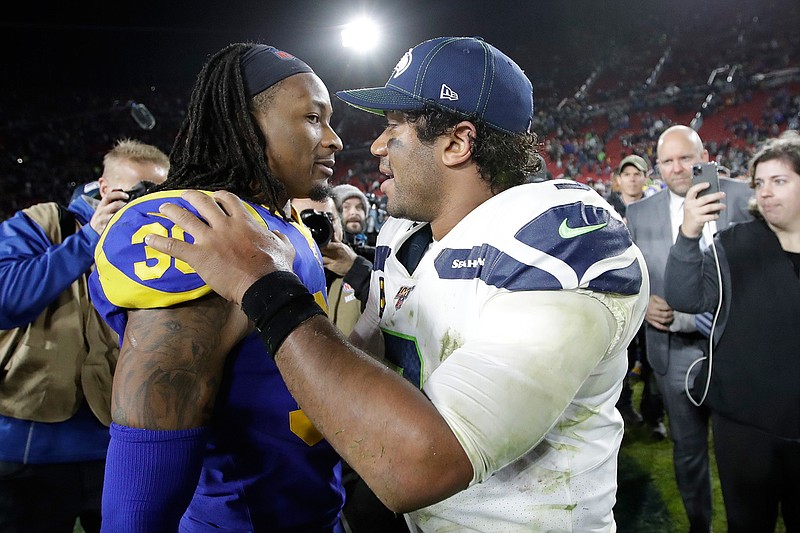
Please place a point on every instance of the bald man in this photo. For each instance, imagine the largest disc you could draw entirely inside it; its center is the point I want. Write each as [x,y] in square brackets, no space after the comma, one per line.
[673,342]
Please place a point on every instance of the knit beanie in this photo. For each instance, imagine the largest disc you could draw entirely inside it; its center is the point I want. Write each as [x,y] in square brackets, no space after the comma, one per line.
[341,193]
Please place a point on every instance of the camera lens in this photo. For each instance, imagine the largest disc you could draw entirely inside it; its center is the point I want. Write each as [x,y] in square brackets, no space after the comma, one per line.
[140,189]
[320,225]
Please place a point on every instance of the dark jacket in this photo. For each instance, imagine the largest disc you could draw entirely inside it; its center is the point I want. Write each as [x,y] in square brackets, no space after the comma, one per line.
[755,358]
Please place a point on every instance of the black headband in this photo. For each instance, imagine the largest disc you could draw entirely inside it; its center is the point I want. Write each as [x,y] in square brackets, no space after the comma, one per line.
[264,66]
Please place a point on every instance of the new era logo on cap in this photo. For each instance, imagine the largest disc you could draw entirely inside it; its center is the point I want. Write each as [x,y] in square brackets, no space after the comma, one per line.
[465,75]
[447,93]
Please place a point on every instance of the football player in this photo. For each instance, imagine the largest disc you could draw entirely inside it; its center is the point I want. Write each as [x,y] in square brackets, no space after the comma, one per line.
[205,434]
[505,309]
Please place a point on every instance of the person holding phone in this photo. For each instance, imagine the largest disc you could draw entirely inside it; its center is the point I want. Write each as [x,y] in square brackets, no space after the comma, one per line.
[673,342]
[755,411]
[706,173]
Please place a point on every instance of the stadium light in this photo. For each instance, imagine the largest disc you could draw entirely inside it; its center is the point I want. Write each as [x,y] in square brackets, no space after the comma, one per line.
[360,35]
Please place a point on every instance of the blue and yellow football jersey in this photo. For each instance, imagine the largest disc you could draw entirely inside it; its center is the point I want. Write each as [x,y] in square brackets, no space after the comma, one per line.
[266,467]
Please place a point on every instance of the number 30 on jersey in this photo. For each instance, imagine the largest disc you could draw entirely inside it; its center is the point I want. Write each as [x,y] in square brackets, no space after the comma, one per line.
[147,270]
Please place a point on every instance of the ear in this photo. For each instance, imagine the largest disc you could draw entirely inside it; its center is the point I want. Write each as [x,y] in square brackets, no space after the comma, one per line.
[458,148]
[104,186]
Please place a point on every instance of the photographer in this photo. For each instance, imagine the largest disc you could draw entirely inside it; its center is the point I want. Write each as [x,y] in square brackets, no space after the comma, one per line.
[347,273]
[56,355]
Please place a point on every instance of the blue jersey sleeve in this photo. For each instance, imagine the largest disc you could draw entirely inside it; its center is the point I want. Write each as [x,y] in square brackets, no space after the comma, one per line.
[34,271]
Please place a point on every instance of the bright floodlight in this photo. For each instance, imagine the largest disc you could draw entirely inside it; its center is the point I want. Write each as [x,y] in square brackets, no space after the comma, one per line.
[360,35]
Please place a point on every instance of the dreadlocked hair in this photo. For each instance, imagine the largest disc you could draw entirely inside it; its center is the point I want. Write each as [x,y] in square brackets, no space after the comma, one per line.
[502,159]
[219,145]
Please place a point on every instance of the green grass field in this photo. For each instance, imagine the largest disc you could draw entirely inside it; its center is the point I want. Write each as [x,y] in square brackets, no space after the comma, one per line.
[648,498]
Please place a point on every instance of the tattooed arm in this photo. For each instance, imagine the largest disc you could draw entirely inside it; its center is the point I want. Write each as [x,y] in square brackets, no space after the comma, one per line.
[170,363]
[165,385]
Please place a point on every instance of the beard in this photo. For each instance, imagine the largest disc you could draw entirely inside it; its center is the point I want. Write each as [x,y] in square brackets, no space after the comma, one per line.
[319,193]
[360,226]
[401,206]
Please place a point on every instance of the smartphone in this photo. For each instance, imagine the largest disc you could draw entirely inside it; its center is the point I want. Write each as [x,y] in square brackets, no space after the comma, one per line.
[706,172]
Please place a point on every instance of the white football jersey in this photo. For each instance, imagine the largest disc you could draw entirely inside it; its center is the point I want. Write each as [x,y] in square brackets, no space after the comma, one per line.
[516,325]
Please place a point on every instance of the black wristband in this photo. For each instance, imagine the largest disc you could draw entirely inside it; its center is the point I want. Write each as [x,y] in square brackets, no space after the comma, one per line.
[278,303]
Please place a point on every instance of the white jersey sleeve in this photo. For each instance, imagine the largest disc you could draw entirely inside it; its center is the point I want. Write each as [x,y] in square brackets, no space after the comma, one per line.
[503,391]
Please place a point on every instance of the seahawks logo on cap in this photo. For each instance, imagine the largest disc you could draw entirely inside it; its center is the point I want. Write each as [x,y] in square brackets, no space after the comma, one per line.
[403,64]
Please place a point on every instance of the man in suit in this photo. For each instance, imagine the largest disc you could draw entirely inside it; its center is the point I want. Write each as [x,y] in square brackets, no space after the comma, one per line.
[673,342]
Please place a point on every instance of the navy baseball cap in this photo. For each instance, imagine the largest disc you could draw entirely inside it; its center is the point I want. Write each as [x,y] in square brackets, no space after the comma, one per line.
[465,75]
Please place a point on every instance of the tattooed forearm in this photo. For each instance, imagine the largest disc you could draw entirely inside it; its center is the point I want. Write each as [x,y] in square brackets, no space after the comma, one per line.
[171,364]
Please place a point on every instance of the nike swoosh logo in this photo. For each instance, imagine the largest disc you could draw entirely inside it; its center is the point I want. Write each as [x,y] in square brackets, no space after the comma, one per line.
[565,232]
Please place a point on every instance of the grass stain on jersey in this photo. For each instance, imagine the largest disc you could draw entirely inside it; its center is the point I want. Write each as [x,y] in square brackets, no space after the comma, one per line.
[562,447]
[578,415]
[451,342]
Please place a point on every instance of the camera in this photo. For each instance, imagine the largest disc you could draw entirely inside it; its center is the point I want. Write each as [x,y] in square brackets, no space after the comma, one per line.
[140,189]
[321,225]
[706,172]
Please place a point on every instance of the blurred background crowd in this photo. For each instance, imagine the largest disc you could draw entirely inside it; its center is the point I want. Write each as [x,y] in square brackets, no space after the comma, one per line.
[732,74]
